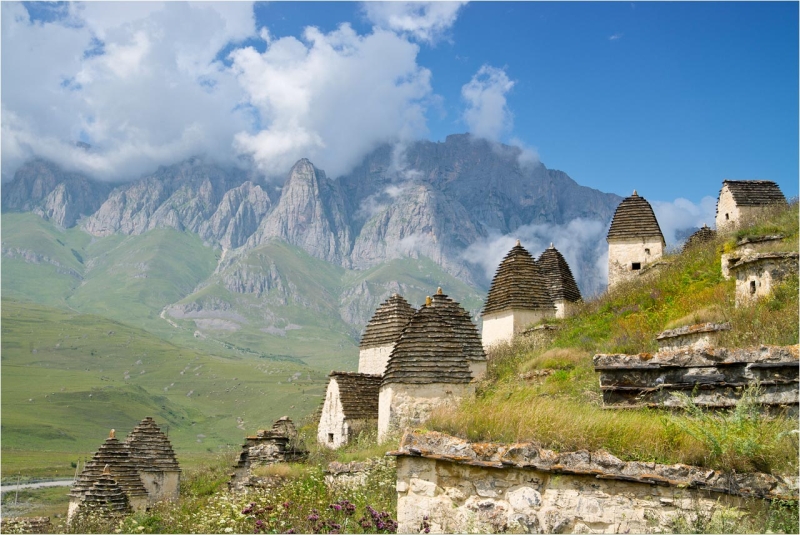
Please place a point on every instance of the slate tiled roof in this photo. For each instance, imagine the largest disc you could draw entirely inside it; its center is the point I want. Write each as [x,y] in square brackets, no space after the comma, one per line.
[560,282]
[634,218]
[150,448]
[518,284]
[115,454]
[461,323]
[754,192]
[358,393]
[105,497]
[702,235]
[427,352]
[387,323]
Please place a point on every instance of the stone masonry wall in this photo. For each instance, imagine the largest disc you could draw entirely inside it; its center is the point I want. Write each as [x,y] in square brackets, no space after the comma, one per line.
[727,206]
[402,405]
[501,327]
[373,360]
[622,253]
[331,420]
[457,487]
[756,278]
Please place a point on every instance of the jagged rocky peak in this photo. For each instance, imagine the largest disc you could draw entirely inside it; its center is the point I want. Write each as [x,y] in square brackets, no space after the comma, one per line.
[310,214]
[63,197]
[182,196]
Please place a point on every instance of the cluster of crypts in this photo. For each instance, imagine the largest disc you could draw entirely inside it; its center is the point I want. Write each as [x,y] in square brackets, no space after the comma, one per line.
[126,476]
[411,361]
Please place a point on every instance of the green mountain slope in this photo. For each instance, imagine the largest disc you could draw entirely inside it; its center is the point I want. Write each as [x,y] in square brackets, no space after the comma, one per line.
[68,378]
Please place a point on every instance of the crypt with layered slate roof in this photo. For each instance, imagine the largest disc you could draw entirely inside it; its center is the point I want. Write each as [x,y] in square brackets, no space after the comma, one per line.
[426,369]
[561,284]
[155,460]
[350,407]
[105,498]
[381,334]
[519,295]
[701,235]
[634,239]
[115,455]
[465,332]
[741,199]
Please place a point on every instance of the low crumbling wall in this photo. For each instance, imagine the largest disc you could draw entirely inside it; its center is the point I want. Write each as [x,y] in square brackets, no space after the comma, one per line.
[451,486]
[714,376]
[20,524]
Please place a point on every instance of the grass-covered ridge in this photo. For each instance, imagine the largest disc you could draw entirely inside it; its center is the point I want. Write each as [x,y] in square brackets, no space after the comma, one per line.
[550,393]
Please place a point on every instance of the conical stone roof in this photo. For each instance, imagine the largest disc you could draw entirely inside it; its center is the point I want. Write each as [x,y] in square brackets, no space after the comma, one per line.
[702,235]
[387,323]
[427,352]
[358,393]
[634,218]
[560,282]
[518,284]
[105,497]
[754,192]
[151,449]
[459,320]
[122,466]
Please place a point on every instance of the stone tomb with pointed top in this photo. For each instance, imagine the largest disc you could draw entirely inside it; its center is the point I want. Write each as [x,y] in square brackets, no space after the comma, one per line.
[518,297]
[155,460]
[561,284]
[381,334]
[634,239]
[427,369]
[122,468]
[464,331]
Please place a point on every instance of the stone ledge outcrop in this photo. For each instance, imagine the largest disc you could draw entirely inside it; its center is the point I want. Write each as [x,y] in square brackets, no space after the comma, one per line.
[599,464]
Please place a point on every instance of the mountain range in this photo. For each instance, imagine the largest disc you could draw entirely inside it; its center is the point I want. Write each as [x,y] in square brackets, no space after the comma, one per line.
[208,253]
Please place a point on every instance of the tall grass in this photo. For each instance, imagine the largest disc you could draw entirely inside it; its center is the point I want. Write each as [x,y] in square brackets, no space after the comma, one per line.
[551,395]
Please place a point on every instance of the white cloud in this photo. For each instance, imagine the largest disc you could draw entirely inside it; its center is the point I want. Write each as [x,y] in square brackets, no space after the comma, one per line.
[682,214]
[138,81]
[615,37]
[581,241]
[424,21]
[141,83]
[331,97]
[487,114]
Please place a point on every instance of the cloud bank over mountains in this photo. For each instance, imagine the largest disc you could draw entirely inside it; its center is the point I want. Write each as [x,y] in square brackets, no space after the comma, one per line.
[150,83]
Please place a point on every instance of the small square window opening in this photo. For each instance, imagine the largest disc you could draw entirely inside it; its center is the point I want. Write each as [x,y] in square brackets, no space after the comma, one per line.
[636,265]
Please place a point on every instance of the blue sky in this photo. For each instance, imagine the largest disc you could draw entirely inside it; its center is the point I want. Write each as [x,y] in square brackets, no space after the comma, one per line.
[667,98]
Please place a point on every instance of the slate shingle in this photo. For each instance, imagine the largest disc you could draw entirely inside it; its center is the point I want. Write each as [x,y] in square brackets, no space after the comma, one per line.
[634,218]
[463,329]
[754,192]
[560,282]
[518,284]
[150,448]
[358,393]
[387,323]
[427,352]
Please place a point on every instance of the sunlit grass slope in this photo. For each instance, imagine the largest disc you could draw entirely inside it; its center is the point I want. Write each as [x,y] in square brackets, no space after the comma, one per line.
[549,393]
[68,378]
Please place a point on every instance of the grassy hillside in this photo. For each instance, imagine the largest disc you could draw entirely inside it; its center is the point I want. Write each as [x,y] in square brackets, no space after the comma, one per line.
[549,393]
[68,378]
[166,282]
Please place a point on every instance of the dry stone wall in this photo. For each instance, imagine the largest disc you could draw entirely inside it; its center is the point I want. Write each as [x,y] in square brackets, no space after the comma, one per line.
[458,487]
[757,274]
[714,376]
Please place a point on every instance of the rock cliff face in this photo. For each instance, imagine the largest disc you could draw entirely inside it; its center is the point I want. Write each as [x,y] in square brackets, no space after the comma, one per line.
[181,196]
[42,187]
[310,214]
[430,199]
